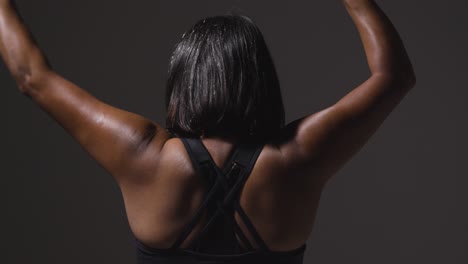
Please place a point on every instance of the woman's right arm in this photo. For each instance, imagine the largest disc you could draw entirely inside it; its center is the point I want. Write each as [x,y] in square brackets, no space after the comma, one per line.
[326,140]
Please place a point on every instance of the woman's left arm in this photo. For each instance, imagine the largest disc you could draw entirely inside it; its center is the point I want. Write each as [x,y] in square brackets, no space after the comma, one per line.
[114,137]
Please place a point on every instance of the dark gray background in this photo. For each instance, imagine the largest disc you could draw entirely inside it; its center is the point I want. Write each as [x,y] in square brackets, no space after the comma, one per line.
[401,199]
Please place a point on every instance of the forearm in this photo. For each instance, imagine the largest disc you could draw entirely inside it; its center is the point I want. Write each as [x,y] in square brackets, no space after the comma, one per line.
[18,49]
[384,49]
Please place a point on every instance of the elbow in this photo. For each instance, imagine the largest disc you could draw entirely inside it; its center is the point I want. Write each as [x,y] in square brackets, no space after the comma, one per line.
[23,80]
[28,81]
[409,76]
[412,80]
[29,75]
[406,78]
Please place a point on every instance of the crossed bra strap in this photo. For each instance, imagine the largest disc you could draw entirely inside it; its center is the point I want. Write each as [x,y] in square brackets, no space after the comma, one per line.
[223,186]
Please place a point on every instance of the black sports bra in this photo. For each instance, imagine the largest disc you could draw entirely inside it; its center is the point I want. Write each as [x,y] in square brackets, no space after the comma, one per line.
[217,242]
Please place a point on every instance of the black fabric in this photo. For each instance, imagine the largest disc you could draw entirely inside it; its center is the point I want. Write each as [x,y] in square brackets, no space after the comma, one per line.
[217,242]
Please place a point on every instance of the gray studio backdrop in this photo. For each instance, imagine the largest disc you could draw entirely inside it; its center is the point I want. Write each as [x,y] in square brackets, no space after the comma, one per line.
[401,199]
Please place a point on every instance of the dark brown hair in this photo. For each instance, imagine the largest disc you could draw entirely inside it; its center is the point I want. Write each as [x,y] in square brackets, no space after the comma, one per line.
[222,81]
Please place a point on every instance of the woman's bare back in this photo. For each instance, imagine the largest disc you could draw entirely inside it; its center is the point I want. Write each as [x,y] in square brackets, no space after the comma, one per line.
[274,197]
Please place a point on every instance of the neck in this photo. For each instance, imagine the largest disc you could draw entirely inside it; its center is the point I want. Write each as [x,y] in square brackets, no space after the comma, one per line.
[222,137]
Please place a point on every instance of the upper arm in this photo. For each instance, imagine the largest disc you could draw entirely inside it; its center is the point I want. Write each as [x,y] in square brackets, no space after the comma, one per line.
[326,140]
[115,138]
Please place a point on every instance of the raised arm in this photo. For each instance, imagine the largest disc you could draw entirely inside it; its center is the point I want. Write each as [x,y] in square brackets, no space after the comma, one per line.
[115,138]
[326,140]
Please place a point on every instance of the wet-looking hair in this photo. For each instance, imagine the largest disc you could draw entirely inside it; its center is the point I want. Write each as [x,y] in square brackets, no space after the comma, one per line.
[222,81]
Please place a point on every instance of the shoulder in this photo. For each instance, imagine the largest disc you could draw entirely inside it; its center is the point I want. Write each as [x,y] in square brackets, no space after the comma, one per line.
[299,161]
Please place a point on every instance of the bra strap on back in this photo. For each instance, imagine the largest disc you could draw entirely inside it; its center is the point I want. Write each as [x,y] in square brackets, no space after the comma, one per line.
[230,179]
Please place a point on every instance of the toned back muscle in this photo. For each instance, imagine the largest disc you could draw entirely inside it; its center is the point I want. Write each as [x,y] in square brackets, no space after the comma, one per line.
[274,197]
